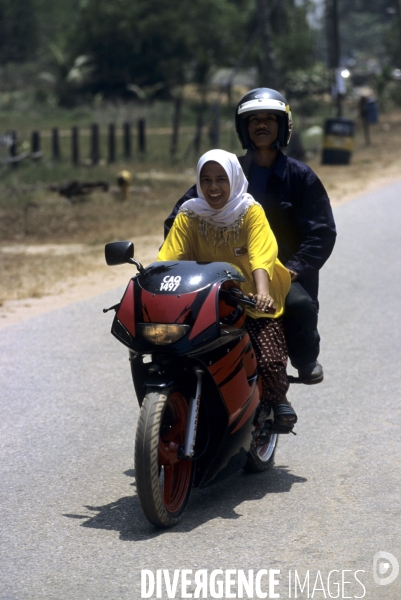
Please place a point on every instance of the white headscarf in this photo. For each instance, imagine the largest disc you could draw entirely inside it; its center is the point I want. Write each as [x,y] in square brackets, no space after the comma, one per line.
[230,216]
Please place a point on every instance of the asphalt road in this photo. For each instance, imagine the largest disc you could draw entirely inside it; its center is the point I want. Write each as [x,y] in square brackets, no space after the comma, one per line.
[71,525]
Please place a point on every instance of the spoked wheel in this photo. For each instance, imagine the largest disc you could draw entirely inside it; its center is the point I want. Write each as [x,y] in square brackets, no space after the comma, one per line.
[260,458]
[163,480]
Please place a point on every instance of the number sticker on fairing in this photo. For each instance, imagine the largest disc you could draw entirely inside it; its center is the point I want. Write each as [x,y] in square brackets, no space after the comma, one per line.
[170,283]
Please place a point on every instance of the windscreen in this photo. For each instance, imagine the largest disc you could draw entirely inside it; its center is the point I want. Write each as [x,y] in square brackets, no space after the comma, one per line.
[185,276]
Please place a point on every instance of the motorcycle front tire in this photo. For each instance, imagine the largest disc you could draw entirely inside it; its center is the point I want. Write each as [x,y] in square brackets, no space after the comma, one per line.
[163,481]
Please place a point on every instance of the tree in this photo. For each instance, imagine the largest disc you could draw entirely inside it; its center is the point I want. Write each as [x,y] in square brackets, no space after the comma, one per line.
[269,70]
[148,42]
[18,31]
[364,27]
[293,35]
[55,21]
[286,41]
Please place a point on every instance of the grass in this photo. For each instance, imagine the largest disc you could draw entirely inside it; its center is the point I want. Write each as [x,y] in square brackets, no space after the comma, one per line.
[44,216]
[47,218]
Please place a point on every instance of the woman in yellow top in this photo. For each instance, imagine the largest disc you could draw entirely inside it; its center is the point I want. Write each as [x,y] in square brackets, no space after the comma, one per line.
[225,223]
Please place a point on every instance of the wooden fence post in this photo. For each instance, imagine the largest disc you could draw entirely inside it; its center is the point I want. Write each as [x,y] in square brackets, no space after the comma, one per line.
[75,145]
[176,125]
[95,150]
[55,144]
[214,131]
[198,134]
[12,147]
[35,142]
[127,140]
[141,136]
[112,143]
[35,145]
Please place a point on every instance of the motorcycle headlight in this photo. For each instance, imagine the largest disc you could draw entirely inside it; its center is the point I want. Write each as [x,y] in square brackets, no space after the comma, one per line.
[157,333]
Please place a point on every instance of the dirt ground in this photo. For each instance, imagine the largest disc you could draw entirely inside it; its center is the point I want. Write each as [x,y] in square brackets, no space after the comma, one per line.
[51,249]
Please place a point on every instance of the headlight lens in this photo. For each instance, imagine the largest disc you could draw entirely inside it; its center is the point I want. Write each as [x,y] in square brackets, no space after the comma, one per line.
[157,333]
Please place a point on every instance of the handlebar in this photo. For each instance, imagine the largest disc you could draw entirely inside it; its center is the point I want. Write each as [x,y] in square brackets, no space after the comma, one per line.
[236,294]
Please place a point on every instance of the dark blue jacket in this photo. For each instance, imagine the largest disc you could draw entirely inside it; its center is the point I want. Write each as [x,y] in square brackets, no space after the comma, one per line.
[299,212]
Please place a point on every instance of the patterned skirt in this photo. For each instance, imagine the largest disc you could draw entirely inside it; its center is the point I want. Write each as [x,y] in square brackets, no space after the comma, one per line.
[268,341]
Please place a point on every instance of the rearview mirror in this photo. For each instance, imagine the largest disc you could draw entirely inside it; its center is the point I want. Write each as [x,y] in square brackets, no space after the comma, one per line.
[119,253]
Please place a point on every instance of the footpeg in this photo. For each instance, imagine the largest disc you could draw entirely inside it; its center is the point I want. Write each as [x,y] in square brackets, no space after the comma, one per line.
[271,427]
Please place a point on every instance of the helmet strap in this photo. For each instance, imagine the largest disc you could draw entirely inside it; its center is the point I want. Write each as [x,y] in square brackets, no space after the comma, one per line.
[275,145]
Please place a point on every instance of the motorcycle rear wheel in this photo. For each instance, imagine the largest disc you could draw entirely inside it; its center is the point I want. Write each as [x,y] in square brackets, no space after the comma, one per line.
[261,458]
[163,481]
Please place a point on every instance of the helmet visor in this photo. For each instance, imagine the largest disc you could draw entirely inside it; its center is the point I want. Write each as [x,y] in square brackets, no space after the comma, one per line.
[258,104]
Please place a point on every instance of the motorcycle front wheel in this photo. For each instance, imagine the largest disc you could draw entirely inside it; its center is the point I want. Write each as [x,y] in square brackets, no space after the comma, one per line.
[163,481]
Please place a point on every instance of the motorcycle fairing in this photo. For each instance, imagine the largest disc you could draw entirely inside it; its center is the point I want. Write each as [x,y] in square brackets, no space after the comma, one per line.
[232,364]
[123,326]
[185,276]
[147,300]
[208,313]
[230,450]
[231,374]
[125,313]
[235,373]
[167,309]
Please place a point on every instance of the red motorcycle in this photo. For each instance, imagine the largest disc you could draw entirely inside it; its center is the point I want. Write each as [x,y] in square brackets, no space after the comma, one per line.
[195,376]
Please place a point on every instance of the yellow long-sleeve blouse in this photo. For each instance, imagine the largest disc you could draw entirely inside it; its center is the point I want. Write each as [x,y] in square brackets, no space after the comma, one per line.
[253,247]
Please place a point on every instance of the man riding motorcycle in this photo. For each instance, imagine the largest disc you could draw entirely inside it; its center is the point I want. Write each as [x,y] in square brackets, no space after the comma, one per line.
[298,210]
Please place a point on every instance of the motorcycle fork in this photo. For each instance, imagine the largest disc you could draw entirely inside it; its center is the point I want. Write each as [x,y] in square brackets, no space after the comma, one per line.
[193,418]
[158,379]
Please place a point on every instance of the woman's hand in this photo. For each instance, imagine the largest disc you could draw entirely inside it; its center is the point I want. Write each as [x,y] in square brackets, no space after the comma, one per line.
[263,302]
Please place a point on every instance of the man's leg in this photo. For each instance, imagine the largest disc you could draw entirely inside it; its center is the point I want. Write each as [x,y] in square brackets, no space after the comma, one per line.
[303,340]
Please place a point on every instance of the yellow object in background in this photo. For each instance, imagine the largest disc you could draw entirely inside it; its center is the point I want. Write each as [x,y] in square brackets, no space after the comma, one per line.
[339,142]
[123,182]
